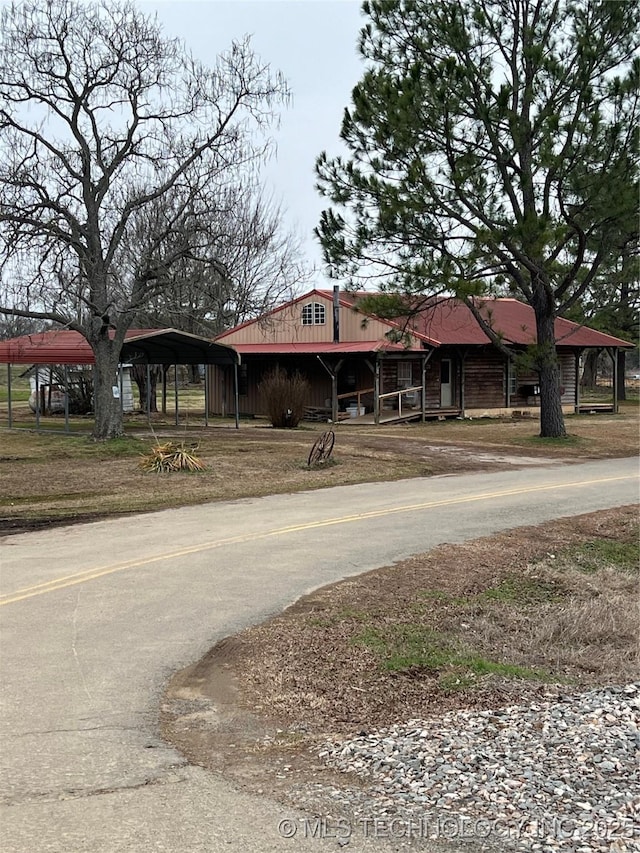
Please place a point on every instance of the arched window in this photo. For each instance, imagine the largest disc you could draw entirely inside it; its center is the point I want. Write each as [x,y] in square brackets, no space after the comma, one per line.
[313,314]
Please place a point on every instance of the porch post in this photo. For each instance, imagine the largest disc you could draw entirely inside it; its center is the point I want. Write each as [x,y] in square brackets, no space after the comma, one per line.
[334,397]
[376,391]
[9,409]
[424,359]
[66,398]
[463,357]
[613,355]
[236,393]
[333,373]
[206,395]
[37,400]
[576,389]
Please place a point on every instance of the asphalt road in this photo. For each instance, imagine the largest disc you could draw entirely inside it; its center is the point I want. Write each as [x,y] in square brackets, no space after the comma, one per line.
[95,618]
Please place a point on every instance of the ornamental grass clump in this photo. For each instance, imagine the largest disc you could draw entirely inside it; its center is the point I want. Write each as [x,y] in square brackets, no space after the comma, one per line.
[172,457]
[285,397]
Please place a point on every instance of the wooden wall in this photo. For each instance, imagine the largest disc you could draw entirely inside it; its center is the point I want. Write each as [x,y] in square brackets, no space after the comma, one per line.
[484,382]
[285,326]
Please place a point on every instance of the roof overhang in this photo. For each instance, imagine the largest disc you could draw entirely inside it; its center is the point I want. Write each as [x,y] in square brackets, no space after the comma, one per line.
[324,348]
[156,346]
[170,346]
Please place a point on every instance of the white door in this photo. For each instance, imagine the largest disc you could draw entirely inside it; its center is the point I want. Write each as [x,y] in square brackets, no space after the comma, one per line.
[446,386]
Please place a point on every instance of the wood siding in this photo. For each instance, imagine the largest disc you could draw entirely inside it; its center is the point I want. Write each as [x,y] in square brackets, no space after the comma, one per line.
[484,379]
[285,326]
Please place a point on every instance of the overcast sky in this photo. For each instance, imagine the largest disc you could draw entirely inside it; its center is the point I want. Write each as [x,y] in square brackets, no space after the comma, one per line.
[314,44]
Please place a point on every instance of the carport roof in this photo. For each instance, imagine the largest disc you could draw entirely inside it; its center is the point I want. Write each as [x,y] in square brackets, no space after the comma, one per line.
[153,346]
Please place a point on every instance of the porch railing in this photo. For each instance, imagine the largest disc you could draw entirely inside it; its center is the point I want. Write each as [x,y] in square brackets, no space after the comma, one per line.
[412,398]
[357,394]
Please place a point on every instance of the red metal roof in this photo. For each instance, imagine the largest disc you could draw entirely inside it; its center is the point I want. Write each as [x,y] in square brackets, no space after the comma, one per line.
[447,322]
[161,346]
[450,322]
[58,346]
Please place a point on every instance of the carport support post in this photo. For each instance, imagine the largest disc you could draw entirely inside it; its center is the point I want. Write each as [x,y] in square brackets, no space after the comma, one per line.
[148,394]
[576,390]
[66,398]
[165,367]
[9,411]
[175,391]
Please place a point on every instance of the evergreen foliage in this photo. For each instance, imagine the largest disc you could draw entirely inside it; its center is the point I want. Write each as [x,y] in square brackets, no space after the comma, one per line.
[493,149]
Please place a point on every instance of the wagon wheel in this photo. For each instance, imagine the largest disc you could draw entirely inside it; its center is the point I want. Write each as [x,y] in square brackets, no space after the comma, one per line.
[322,448]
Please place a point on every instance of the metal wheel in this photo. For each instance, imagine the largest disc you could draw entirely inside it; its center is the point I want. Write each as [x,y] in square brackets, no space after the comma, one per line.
[322,447]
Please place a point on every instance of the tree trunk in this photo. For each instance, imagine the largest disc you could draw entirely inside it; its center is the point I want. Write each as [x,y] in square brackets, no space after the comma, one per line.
[622,388]
[139,374]
[590,372]
[551,415]
[108,410]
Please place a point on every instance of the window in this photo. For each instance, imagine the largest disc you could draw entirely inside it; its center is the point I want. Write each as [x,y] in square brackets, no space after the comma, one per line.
[313,314]
[405,374]
[512,377]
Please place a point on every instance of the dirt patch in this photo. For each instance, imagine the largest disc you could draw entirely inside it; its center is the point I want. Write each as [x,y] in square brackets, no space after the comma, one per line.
[536,611]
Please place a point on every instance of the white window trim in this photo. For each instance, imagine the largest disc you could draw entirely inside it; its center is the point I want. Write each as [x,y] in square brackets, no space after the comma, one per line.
[314,314]
[405,374]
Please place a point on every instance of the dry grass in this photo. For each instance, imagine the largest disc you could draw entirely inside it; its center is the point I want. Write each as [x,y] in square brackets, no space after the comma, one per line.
[491,621]
[513,618]
[51,477]
[170,457]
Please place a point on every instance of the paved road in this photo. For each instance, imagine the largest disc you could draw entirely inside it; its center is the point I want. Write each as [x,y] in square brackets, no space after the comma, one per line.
[96,617]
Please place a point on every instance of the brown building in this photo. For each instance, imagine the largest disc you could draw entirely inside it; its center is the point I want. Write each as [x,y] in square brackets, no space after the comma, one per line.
[440,364]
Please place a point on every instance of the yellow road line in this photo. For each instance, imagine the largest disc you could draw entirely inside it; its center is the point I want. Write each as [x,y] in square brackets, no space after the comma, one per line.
[92,574]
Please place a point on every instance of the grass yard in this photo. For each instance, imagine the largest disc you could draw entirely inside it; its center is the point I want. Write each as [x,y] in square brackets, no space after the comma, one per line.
[50,477]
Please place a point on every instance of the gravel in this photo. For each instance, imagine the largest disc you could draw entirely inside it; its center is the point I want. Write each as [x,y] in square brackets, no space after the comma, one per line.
[559,775]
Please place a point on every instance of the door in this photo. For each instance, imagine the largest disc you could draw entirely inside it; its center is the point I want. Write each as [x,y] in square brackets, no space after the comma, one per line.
[446,383]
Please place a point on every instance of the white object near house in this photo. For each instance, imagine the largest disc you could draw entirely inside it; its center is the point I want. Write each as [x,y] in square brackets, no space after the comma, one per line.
[54,398]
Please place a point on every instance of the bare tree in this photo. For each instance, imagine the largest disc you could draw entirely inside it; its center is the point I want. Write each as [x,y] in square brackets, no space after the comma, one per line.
[109,129]
[247,264]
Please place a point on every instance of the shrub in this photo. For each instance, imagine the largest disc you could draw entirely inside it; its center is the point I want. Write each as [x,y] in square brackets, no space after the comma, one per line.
[285,397]
[172,457]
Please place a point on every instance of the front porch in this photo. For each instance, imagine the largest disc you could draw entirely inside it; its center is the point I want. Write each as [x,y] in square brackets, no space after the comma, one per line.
[365,406]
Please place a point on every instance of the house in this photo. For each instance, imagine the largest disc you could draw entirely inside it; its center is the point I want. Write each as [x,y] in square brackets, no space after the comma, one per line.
[359,365]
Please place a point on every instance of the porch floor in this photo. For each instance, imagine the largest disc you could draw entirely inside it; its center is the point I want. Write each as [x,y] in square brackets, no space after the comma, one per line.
[391,416]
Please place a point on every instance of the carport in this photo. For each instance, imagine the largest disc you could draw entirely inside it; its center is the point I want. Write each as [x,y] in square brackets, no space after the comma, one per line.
[62,347]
